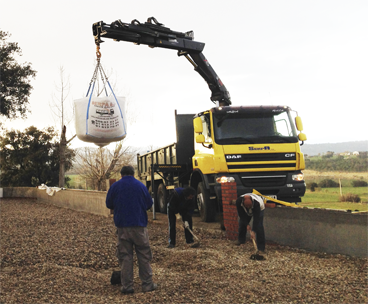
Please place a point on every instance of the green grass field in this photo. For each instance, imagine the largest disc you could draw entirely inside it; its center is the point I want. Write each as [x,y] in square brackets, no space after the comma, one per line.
[329,198]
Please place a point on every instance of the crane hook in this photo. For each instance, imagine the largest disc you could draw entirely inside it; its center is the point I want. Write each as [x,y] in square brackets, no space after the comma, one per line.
[98,53]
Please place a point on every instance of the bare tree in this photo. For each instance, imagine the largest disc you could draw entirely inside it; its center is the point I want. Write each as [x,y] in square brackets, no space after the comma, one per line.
[100,164]
[60,110]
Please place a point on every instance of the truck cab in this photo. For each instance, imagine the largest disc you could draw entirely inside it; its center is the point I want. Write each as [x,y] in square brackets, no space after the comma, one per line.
[257,146]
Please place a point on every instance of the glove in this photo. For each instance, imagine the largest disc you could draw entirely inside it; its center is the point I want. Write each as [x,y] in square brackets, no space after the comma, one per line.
[186,225]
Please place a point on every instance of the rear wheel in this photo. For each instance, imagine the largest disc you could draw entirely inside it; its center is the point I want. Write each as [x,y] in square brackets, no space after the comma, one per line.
[162,198]
[206,207]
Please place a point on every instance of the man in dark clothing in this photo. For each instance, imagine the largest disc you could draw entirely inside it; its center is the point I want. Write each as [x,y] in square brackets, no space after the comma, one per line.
[130,200]
[181,202]
[251,206]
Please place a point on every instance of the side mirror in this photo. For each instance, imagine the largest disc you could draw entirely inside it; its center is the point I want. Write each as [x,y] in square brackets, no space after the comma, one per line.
[298,123]
[199,139]
[197,124]
[302,137]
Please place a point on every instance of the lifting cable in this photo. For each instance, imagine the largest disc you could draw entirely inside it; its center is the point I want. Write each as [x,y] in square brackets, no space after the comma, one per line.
[104,79]
[98,70]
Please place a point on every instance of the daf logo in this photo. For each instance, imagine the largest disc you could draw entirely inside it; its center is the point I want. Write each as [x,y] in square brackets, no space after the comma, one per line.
[233,156]
[290,155]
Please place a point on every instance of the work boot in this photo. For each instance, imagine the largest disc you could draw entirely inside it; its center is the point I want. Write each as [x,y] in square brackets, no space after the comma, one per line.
[123,291]
[171,246]
[238,243]
[153,287]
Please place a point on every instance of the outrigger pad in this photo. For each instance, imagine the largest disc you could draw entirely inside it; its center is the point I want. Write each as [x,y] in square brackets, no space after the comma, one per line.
[115,278]
[257,257]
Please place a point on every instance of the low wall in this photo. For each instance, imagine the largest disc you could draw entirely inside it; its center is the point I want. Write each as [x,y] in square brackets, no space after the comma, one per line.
[321,230]
[317,230]
[20,192]
[79,200]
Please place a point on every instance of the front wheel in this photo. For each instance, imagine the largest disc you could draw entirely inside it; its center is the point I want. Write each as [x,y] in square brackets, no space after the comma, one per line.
[162,198]
[206,207]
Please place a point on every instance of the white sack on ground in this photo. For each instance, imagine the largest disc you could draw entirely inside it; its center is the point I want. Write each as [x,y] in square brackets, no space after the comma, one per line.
[100,120]
[49,190]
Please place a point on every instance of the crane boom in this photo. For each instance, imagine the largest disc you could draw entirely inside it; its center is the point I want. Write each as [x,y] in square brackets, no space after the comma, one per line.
[154,34]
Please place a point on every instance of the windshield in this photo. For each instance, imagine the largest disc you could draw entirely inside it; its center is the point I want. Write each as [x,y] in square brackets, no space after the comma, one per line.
[255,126]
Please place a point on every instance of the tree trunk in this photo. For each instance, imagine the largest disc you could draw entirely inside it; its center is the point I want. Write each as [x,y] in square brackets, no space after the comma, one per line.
[62,157]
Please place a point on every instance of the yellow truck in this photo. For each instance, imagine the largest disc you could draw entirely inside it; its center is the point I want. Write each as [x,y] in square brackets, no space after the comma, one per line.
[258,147]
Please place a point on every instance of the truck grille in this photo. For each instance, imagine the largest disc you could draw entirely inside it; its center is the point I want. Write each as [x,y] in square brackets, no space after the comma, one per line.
[259,157]
[242,160]
[275,179]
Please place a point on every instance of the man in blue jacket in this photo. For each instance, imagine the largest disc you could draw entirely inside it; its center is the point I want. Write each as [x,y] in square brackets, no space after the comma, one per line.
[130,200]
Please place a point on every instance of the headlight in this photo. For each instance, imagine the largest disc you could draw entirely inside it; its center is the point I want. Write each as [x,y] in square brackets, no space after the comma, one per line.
[225,179]
[298,177]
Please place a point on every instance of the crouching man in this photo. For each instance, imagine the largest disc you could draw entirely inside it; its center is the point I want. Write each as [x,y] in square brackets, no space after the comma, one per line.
[251,206]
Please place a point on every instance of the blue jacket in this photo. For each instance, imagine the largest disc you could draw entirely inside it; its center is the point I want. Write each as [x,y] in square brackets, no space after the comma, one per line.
[130,200]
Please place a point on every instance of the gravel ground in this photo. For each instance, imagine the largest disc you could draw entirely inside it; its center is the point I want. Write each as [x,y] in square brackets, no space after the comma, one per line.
[55,255]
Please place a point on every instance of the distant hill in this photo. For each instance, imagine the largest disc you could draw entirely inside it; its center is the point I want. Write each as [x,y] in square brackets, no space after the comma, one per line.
[351,146]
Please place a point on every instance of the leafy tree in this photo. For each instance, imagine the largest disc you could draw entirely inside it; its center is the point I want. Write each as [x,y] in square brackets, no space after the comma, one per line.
[312,186]
[359,183]
[328,183]
[15,87]
[30,158]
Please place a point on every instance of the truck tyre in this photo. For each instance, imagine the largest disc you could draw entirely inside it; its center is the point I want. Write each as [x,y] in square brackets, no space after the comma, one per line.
[206,207]
[162,198]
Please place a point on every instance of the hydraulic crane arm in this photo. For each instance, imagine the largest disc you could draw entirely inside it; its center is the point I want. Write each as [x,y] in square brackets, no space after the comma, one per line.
[154,34]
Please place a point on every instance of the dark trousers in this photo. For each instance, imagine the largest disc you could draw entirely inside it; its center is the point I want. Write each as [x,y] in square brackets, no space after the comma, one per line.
[130,238]
[244,221]
[172,227]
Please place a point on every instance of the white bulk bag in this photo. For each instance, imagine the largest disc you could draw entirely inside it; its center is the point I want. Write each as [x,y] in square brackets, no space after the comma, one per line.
[100,120]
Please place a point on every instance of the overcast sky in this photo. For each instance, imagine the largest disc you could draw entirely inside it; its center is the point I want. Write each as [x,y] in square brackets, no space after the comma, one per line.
[309,55]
